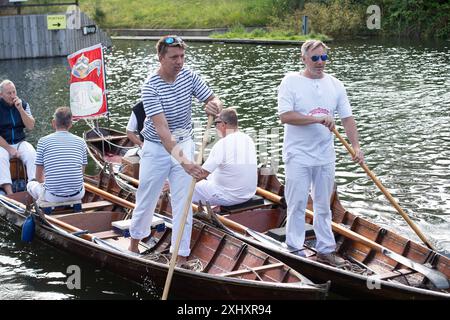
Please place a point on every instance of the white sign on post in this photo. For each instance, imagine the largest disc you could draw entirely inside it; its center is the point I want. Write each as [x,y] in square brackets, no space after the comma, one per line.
[73,15]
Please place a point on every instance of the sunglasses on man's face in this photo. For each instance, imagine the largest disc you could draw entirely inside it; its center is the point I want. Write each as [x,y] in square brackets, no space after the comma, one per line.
[323,57]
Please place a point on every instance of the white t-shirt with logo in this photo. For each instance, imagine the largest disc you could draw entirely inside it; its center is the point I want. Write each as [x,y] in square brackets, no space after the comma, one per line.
[311,144]
[233,166]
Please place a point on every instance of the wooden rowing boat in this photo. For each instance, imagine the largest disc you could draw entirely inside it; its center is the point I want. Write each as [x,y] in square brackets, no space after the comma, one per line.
[370,274]
[228,268]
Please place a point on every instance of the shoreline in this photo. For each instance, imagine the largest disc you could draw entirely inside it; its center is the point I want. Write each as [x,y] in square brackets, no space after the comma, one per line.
[195,35]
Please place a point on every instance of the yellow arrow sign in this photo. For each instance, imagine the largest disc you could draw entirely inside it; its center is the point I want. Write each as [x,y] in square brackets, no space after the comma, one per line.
[55,22]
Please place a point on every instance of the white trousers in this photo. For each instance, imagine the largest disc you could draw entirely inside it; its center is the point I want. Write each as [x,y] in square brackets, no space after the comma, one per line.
[299,181]
[157,165]
[206,190]
[28,157]
[38,192]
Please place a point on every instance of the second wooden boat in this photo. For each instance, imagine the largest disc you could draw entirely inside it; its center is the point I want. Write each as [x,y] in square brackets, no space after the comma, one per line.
[370,274]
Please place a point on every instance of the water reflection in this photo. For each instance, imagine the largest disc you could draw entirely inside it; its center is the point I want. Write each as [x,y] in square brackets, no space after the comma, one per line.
[400,94]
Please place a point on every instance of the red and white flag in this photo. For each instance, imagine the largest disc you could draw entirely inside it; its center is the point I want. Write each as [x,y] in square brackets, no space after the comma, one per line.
[87,83]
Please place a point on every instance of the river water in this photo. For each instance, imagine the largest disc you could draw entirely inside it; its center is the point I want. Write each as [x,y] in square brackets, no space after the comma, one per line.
[399,92]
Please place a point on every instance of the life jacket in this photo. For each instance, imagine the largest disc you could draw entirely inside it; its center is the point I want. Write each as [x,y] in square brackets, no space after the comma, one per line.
[11,124]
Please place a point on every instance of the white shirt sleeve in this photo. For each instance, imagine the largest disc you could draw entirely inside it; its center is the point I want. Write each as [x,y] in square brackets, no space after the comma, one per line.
[215,157]
[343,109]
[132,123]
[27,109]
[285,97]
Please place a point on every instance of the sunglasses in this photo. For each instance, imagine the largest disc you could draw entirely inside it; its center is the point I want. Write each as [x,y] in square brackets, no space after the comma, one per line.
[218,121]
[173,41]
[324,57]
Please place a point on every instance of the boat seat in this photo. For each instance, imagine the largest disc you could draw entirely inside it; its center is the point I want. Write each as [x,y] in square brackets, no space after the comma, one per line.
[280,233]
[255,201]
[122,227]
[106,234]
[48,207]
[96,204]
[251,270]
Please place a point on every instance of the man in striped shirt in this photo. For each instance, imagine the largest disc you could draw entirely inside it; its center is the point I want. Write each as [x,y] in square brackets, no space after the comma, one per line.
[61,158]
[168,149]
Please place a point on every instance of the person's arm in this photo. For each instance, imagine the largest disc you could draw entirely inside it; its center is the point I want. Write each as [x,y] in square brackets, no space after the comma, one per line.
[352,133]
[132,128]
[213,105]
[12,152]
[40,176]
[299,119]
[27,119]
[169,143]
[134,138]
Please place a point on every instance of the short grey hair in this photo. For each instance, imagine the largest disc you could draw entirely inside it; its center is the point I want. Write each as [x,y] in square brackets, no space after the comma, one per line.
[311,45]
[63,117]
[229,116]
[4,83]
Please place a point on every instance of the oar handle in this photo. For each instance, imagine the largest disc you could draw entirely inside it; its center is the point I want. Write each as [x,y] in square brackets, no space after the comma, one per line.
[269,195]
[187,205]
[232,224]
[385,192]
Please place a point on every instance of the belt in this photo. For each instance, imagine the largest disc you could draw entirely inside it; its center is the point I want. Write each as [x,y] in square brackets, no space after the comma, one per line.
[70,195]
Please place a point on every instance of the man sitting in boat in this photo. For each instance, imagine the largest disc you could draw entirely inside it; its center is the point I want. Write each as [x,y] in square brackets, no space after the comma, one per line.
[61,158]
[231,168]
[134,127]
[15,116]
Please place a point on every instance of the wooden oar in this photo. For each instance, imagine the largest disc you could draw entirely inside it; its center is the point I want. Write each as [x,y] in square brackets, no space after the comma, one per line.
[435,276]
[385,192]
[187,205]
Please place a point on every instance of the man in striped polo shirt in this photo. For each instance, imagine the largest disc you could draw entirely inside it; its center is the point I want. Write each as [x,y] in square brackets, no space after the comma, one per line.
[61,158]
[168,149]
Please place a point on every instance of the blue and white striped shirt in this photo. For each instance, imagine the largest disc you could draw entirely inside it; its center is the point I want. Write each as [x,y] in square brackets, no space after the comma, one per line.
[63,155]
[174,100]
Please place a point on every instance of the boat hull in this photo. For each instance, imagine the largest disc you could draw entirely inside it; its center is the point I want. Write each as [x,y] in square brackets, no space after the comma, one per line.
[186,284]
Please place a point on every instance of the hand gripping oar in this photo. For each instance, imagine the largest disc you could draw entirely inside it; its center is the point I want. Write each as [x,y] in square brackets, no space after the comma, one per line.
[435,276]
[386,193]
[187,205]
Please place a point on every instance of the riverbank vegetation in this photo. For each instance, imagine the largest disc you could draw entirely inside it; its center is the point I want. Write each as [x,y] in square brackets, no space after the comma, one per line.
[274,18]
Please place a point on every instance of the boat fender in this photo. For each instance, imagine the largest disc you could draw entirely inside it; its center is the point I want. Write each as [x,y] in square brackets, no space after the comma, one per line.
[28,229]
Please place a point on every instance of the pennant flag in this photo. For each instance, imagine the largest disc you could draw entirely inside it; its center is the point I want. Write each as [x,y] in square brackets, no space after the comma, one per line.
[87,83]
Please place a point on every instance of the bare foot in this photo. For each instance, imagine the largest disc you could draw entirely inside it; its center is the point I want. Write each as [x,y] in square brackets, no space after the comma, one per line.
[181,260]
[134,245]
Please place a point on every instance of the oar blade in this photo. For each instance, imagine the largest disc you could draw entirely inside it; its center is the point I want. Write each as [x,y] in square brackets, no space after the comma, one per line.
[436,277]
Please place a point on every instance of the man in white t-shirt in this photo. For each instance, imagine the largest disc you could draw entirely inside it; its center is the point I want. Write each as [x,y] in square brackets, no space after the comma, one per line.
[231,168]
[307,103]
